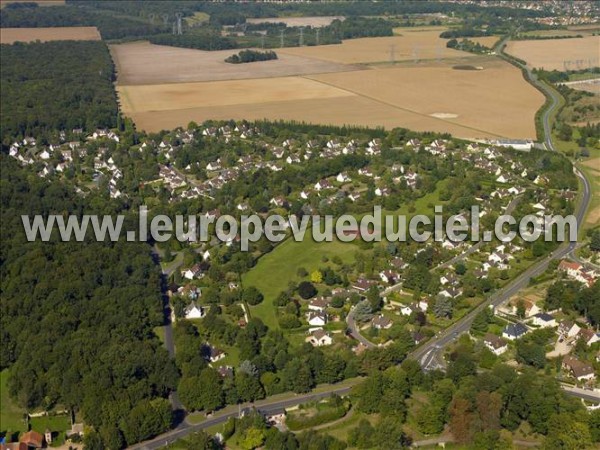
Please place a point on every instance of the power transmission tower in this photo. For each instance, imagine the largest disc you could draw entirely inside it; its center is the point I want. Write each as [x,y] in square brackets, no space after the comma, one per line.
[165,18]
[301,41]
[179,25]
[281,38]
[318,31]
[392,53]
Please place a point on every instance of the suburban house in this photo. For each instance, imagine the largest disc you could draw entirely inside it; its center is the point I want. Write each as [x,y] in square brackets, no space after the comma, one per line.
[381,323]
[577,272]
[192,272]
[32,439]
[319,304]
[362,284]
[215,354]
[514,331]
[319,338]
[193,311]
[588,336]
[580,370]
[568,329]
[388,276]
[323,184]
[531,309]
[495,343]
[317,318]
[343,177]
[543,320]
[405,310]
[451,292]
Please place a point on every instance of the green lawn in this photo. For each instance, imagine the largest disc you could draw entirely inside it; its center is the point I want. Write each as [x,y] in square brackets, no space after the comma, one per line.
[57,424]
[11,416]
[276,269]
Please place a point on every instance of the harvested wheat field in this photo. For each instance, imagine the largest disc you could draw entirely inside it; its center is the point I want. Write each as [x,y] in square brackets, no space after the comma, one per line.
[145,63]
[412,44]
[223,93]
[12,35]
[493,102]
[346,110]
[551,54]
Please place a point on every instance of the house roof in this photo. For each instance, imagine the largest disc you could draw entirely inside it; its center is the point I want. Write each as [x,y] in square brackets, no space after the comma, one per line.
[319,334]
[515,329]
[32,439]
[495,341]
[381,321]
[317,314]
[544,316]
[579,368]
[321,302]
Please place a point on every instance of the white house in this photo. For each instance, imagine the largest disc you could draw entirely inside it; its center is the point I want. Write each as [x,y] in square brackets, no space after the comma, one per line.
[543,320]
[381,323]
[495,343]
[514,331]
[568,329]
[319,338]
[406,310]
[319,304]
[193,311]
[580,370]
[343,177]
[317,318]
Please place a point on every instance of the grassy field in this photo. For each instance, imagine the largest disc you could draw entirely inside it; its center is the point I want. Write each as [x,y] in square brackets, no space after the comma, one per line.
[592,171]
[276,269]
[11,416]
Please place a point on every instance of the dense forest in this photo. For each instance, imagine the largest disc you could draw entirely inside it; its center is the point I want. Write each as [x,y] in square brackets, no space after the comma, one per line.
[230,12]
[109,25]
[77,318]
[56,86]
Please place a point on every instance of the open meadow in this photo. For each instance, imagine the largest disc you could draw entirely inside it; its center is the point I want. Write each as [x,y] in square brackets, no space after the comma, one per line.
[274,270]
[551,54]
[12,35]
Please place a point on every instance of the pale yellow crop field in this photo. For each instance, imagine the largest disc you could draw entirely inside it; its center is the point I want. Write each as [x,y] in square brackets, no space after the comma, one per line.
[551,54]
[12,35]
[145,63]
[160,97]
[411,45]
[493,102]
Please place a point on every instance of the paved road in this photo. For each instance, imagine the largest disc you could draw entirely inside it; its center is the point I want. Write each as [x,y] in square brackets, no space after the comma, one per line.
[430,354]
[355,332]
[265,406]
